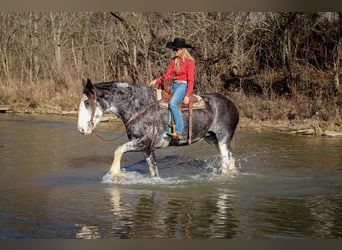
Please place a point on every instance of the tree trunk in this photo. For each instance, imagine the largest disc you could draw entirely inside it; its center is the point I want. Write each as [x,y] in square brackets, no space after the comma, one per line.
[338,54]
[58,74]
[33,71]
[236,58]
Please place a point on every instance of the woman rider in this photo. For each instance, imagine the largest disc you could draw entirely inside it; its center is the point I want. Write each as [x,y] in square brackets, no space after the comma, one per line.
[182,71]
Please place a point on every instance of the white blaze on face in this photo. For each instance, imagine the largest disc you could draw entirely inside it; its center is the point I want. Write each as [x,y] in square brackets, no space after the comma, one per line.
[84,116]
[85,125]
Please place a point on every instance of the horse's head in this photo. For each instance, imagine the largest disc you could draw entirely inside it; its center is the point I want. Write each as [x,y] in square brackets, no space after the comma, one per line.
[90,112]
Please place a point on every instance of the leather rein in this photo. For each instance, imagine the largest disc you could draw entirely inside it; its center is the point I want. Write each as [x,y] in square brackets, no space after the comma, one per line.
[136,115]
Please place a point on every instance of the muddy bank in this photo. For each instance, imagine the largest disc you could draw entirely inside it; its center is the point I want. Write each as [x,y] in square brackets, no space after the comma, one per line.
[299,127]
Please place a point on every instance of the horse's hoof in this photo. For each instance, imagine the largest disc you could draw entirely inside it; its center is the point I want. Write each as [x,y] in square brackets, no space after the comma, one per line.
[165,143]
[232,164]
[118,178]
[113,177]
[229,172]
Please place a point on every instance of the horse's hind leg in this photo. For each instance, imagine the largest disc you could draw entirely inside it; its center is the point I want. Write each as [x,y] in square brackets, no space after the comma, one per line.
[228,161]
[151,161]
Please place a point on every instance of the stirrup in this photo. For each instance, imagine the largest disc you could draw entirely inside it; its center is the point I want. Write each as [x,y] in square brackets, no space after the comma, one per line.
[175,136]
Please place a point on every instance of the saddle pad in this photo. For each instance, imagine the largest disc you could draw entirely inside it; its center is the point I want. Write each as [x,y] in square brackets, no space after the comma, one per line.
[200,104]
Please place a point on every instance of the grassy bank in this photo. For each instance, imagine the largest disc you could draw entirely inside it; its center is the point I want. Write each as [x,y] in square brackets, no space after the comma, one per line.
[257,110]
[43,97]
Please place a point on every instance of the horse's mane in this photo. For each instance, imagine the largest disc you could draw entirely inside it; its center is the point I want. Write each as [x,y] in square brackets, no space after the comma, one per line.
[122,85]
[129,89]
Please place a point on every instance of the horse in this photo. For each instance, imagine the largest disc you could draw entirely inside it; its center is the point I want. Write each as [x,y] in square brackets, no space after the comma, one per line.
[146,122]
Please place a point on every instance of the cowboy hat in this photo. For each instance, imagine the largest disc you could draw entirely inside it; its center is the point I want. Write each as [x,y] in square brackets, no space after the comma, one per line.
[178,43]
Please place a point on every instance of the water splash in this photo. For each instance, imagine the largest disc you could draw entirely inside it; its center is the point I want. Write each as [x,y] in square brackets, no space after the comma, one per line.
[190,172]
[134,178]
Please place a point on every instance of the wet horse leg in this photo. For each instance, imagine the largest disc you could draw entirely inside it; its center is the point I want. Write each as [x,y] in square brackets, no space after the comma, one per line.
[151,161]
[228,161]
[134,145]
[115,168]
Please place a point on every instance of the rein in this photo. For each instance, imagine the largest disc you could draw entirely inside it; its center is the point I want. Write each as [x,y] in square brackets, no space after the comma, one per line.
[111,139]
[130,120]
[139,113]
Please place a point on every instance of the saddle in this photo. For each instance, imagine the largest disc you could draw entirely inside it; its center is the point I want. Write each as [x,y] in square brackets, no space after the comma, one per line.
[196,102]
[164,97]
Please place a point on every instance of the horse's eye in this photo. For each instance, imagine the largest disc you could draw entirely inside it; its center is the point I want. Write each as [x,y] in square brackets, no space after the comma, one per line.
[86,102]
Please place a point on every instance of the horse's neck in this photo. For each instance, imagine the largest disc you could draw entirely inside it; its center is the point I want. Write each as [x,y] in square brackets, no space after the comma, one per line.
[125,100]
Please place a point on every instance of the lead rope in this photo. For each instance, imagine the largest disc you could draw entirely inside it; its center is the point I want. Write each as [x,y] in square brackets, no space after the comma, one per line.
[91,119]
[111,139]
[133,117]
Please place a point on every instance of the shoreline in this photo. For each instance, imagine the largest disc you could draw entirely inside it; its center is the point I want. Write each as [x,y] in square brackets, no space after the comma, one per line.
[297,127]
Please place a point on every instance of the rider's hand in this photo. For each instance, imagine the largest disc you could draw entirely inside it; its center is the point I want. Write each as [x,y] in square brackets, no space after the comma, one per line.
[186,100]
[153,83]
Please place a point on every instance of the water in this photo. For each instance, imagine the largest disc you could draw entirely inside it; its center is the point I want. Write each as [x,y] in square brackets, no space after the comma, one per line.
[53,185]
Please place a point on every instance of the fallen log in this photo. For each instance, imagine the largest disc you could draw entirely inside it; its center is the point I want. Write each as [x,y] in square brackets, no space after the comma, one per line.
[309,131]
[5,108]
[331,133]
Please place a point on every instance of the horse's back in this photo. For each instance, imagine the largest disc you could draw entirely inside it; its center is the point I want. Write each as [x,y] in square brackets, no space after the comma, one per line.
[224,110]
[220,102]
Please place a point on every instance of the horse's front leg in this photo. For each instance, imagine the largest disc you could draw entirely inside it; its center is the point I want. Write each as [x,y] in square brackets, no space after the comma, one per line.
[134,145]
[151,161]
[115,169]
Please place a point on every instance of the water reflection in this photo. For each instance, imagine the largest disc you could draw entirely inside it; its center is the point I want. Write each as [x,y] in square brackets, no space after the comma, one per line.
[326,216]
[88,232]
[150,214]
[173,214]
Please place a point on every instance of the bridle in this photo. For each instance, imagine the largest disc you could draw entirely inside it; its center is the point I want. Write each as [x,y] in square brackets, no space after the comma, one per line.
[92,104]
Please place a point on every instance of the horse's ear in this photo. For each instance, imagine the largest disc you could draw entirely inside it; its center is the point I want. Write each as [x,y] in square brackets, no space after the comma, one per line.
[84,83]
[87,86]
[89,82]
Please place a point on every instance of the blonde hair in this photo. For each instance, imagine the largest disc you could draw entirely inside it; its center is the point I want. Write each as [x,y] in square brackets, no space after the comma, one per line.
[182,56]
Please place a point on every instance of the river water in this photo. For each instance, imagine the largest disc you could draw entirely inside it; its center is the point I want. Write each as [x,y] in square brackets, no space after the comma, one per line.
[52,186]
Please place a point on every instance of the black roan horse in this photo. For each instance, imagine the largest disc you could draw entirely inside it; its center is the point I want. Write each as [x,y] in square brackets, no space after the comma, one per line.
[147,123]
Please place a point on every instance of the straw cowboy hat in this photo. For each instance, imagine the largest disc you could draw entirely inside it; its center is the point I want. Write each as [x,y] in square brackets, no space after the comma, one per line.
[178,43]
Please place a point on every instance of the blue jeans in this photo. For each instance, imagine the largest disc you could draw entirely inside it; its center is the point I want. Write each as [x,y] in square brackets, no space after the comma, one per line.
[178,90]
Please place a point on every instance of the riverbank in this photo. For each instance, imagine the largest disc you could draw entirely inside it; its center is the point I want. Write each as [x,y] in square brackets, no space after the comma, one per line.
[298,127]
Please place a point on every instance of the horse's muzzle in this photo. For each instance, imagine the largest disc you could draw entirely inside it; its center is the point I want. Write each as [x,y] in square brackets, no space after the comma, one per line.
[84,132]
[81,131]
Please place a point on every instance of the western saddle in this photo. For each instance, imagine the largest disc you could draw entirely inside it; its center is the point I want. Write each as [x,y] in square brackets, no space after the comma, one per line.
[164,96]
